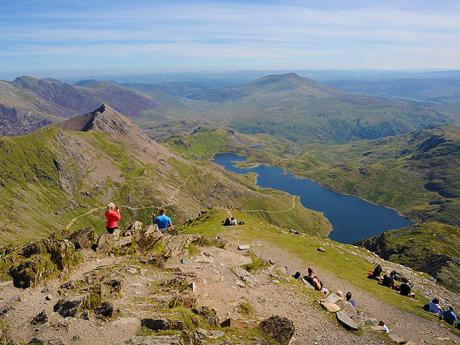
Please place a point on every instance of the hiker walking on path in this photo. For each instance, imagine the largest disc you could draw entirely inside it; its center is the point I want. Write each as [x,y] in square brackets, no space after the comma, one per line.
[112,215]
[163,222]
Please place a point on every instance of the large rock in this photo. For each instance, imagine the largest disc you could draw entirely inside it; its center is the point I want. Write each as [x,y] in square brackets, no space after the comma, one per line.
[245,276]
[30,271]
[68,307]
[40,259]
[104,310]
[209,314]
[346,321]
[158,340]
[84,238]
[279,328]
[330,307]
[40,318]
[105,244]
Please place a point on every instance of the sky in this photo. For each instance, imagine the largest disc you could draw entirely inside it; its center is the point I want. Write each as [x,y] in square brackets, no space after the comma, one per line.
[137,36]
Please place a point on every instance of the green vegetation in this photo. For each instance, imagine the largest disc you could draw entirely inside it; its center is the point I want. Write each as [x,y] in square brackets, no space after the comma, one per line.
[342,263]
[256,263]
[429,247]
[245,308]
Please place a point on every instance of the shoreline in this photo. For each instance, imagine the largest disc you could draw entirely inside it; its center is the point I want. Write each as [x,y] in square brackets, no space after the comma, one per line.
[239,164]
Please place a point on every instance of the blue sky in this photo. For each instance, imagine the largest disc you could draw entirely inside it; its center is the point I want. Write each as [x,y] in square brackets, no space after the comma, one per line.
[113,36]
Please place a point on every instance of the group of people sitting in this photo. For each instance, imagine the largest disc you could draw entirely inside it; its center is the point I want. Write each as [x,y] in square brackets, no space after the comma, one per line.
[113,216]
[231,221]
[390,280]
[447,314]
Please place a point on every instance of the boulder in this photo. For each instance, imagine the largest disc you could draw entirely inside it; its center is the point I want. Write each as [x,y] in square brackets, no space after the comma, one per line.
[161,324]
[334,298]
[155,324]
[40,318]
[244,247]
[84,238]
[321,249]
[233,323]
[330,307]
[158,340]
[245,276]
[209,314]
[346,321]
[279,328]
[30,271]
[105,244]
[399,340]
[69,306]
[105,310]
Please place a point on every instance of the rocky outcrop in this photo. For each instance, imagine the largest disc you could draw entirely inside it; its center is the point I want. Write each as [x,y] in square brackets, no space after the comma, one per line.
[40,260]
[279,328]
[69,306]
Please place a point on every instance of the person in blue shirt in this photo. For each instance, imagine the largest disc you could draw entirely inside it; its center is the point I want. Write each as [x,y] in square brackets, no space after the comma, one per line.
[449,315]
[163,222]
[434,307]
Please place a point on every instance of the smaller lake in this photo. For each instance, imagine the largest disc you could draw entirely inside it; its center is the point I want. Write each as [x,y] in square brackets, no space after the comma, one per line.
[352,218]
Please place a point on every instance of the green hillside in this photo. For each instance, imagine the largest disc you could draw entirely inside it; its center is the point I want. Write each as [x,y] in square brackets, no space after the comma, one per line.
[429,247]
[53,177]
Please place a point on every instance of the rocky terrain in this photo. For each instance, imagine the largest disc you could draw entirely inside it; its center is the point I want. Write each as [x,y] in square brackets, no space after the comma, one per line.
[143,287]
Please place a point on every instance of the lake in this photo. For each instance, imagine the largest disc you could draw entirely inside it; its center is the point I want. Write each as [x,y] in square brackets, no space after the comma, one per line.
[352,218]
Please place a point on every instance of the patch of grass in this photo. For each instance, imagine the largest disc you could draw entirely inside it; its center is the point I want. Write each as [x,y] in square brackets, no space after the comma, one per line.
[192,250]
[256,264]
[245,308]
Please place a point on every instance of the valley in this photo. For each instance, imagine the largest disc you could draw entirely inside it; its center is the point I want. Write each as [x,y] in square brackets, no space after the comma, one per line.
[64,156]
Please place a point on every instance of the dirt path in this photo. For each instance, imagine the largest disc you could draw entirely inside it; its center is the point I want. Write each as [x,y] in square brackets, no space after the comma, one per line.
[408,326]
[279,211]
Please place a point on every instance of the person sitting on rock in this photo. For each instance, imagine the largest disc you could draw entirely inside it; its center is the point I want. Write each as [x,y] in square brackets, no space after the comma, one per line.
[349,299]
[376,273]
[449,316]
[112,215]
[163,222]
[434,307]
[384,326]
[233,221]
[314,281]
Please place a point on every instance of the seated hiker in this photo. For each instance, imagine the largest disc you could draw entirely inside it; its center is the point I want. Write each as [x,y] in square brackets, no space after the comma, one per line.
[406,290]
[449,316]
[376,273]
[388,281]
[112,215]
[349,299]
[233,221]
[314,281]
[384,326]
[227,222]
[434,307]
[163,222]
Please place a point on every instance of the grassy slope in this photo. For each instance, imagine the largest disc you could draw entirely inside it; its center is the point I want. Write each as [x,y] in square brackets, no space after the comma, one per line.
[341,263]
[33,203]
[391,171]
[430,247]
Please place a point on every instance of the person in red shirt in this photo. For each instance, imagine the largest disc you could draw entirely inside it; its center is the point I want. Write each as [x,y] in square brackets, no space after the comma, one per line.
[113,216]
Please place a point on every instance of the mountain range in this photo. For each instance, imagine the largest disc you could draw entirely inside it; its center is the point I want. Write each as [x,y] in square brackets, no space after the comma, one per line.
[287,106]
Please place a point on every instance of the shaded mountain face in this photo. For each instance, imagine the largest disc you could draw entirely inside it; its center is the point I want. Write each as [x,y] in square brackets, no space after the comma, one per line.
[28,103]
[62,176]
[287,106]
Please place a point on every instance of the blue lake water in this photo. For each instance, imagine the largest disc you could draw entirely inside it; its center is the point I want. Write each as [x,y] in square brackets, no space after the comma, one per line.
[352,218]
